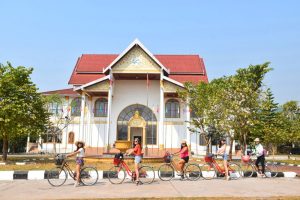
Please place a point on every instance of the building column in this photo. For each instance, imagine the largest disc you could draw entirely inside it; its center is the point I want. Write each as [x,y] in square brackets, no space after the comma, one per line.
[110,93]
[89,117]
[161,115]
[81,127]
[188,118]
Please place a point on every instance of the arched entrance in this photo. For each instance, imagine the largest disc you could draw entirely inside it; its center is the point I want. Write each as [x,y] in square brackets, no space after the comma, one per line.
[137,121]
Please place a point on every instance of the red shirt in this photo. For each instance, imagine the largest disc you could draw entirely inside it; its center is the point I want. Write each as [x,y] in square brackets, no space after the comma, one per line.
[137,150]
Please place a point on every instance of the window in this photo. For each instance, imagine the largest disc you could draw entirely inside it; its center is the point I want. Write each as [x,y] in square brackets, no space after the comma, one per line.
[101,108]
[202,140]
[52,135]
[71,138]
[148,116]
[55,108]
[76,107]
[172,109]
[192,114]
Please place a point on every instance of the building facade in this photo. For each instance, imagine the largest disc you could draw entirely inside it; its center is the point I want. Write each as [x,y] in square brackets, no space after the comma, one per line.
[116,98]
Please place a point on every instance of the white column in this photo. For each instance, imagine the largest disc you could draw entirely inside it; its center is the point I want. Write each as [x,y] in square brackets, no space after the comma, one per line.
[188,118]
[109,102]
[81,129]
[161,114]
[188,134]
[89,116]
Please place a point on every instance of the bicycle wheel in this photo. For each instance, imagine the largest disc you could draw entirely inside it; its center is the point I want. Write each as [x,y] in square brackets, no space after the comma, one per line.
[192,172]
[234,170]
[247,170]
[208,171]
[57,176]
[89,175]
[146,174]
[166,172]
[271,170]
[116,175]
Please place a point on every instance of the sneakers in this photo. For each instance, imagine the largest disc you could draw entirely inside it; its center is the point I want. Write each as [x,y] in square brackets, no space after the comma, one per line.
[227,178]
[138,183]
[76,184]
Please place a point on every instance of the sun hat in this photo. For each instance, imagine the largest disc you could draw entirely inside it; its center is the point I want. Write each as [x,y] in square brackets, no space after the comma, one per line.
[183,141]
[256,140]
[79,141]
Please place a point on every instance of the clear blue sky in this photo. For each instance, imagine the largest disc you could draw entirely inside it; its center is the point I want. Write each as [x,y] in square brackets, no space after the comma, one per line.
[51,35]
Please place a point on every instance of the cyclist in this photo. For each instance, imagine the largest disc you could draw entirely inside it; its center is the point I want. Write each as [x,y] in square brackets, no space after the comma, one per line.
[79,159]
[184,156]
[259,152]
[137,151]
[222,151]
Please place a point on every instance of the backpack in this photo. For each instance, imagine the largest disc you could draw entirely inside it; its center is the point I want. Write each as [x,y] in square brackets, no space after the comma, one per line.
[265,152]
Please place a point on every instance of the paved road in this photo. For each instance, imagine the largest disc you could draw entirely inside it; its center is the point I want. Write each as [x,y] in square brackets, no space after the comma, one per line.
[251,187]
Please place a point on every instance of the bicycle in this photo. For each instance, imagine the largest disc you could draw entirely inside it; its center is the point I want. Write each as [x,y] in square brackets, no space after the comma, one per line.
[212,169]
[117,174]
[249,167]
[166,171]
[58,175]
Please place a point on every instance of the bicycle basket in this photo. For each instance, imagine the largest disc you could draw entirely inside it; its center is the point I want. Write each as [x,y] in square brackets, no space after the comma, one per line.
[167,157]
[118,158]
[209,158]
[59,159]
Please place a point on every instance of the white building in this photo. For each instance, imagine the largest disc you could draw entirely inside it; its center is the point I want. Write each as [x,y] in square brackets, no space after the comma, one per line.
[115,98]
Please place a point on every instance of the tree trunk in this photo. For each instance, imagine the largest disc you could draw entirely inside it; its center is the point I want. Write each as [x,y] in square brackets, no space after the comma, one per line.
[5,148]
[245,143]
[230,148]
[54,144]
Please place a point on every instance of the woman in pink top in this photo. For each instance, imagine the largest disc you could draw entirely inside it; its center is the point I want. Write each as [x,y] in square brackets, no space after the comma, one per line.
[184,156]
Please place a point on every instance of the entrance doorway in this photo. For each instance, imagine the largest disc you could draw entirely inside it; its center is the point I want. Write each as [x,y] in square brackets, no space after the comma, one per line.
[136,132]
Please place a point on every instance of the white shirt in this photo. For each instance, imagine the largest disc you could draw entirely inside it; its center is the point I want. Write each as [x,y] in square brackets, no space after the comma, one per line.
[80,154]
[259,150]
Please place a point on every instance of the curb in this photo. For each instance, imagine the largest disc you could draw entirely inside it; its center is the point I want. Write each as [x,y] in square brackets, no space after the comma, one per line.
[42,174]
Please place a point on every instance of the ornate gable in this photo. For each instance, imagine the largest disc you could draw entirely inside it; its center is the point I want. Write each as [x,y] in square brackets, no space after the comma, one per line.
[136,60]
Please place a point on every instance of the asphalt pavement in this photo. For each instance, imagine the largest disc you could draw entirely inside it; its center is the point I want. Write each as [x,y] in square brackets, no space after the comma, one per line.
[246,187]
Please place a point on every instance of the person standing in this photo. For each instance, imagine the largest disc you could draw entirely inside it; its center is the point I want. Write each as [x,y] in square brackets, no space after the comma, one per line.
[222,151]
[259,152]
[137,152]
[79,152]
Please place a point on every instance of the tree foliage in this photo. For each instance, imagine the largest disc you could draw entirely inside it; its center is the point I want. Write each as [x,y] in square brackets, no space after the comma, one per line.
[22,110]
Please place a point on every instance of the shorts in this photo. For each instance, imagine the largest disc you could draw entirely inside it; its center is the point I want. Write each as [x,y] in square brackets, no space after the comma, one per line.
[79,161]
[186,159]
[137,159]
[225,156]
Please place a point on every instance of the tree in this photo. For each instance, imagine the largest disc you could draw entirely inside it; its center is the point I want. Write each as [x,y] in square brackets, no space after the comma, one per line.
[22,110]
[269,127]
[290,114]
[230,104]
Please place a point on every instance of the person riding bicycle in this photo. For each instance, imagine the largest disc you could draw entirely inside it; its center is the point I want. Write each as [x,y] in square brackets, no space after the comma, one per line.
[184,156]
[259,152]
[137,151]
[222,151]
[79,152]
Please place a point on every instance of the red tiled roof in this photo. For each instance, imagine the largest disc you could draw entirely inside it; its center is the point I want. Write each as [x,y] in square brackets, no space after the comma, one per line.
[68,91]
[89,67]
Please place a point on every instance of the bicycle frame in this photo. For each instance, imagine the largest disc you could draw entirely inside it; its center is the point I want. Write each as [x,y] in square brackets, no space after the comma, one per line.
[218,167]
[125,166]
[251,162]
[66,166]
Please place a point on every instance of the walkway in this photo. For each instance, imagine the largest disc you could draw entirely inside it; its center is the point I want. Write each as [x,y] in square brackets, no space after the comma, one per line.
[251,187]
